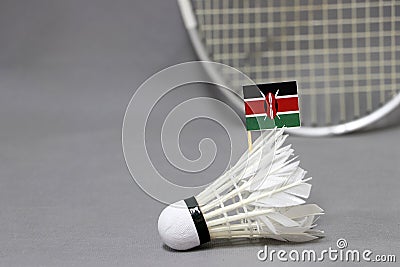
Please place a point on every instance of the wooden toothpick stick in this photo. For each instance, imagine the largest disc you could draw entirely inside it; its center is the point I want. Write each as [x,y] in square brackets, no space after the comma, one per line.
[249,140]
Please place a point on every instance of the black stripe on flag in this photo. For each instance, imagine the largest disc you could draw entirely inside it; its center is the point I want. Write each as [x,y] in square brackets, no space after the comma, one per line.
[285,88]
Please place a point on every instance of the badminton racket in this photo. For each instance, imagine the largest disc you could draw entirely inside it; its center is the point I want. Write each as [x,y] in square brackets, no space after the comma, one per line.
[344,54]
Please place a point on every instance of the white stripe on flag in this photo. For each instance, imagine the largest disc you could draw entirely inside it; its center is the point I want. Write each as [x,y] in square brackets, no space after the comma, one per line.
[286,96]
[254,99]
[265,114]
[262,98]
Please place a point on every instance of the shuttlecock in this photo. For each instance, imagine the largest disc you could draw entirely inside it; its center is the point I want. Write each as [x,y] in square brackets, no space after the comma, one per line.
[261,196]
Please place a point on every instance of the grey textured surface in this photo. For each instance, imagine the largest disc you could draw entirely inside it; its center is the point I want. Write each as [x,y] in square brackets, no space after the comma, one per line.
[67,71]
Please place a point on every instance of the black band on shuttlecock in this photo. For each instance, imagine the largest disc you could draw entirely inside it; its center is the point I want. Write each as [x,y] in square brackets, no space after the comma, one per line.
[198,219]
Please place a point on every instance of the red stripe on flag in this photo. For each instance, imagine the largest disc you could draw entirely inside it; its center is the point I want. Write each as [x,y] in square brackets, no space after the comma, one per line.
[284,104]
[288,104]
[255,107]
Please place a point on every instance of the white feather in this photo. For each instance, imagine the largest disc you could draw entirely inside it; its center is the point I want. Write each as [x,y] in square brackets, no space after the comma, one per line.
[302,190]
[262,195]
[281,199]
[282,219]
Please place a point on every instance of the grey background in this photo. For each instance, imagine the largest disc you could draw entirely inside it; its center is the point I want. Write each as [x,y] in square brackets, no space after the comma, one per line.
[67,72]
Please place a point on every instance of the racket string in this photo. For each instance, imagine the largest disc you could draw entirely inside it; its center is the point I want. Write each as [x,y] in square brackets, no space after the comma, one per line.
[343,54]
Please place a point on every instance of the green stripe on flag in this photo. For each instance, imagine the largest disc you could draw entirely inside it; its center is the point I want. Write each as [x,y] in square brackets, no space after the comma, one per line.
[259,122]
[263,122]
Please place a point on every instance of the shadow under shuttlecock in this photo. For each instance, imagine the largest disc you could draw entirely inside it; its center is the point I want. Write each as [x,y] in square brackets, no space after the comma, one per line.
[240,242]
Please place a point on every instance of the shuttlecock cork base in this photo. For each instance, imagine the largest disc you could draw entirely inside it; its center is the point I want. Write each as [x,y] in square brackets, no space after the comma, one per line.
[261,196]
[182,225]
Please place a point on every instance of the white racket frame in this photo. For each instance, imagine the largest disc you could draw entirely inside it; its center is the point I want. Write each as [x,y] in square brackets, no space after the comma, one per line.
[190,22]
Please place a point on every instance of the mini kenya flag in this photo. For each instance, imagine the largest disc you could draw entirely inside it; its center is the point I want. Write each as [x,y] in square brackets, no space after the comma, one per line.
[271,105]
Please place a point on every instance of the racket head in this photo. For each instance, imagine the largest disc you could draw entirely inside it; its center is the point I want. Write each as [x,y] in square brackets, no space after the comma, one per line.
[344,54]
